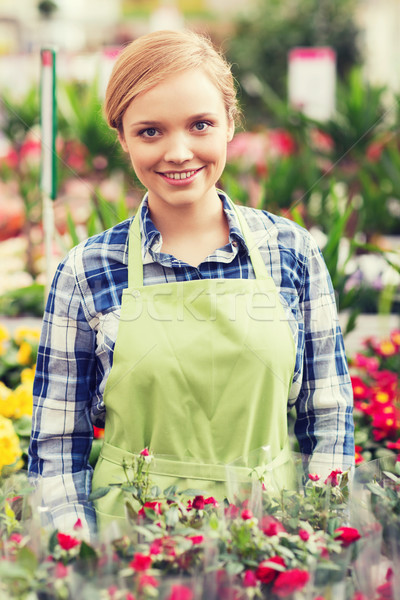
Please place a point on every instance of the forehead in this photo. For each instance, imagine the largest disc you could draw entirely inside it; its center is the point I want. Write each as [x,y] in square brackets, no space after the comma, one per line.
[191,91]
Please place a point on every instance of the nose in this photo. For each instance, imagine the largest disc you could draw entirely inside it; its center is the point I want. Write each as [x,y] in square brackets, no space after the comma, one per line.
[178,149]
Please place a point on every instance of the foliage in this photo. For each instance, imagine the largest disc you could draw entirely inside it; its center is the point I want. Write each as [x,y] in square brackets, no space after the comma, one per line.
[376,388]
[183,545]
[264,37]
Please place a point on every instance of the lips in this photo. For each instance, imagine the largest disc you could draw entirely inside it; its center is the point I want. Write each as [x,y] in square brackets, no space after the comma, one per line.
[180,177]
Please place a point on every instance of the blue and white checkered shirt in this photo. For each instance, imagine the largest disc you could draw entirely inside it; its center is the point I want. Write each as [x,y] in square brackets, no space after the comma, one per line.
[79,332]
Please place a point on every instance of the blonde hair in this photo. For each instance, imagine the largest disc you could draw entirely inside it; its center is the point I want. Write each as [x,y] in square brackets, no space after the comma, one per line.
[151,58]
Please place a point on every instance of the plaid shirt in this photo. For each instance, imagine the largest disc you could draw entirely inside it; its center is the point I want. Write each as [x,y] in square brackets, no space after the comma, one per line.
[80,328]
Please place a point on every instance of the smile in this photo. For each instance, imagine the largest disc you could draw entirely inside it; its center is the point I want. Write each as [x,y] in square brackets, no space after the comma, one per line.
[180,177]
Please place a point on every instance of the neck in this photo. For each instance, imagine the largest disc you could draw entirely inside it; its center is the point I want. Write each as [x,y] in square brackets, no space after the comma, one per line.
[183,219]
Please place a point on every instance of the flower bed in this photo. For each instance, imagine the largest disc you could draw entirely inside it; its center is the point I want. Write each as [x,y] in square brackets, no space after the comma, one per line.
[309,544]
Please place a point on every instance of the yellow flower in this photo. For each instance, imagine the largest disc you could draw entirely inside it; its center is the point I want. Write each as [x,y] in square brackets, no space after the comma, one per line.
[10,450]
[29,334]
[4,337]
[28,375]
[23,400]
[24,353]
[7,402]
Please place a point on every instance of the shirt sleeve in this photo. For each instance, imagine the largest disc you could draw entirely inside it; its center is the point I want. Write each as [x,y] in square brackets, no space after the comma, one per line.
[62,431]
[324,423]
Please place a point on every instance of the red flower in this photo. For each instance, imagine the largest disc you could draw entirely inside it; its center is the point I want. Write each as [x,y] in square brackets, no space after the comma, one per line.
[180,592]
[196,539]
[290,581]
[313,477]
[394,445]
[140,562]
[357,455]
[67,542]
[347,535]
[386,348]
[249,579]
[152,505]
[395,337]
[198,503]
[78,525]
[145,452]
[246,514]
[267,573]
[271,526]
[281,142]
[98,432]
[211,500]
[304,535]
[360,389]
[332,477]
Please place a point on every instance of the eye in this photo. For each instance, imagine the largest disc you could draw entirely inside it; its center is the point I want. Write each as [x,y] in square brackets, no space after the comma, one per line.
[202,125]
[150,132]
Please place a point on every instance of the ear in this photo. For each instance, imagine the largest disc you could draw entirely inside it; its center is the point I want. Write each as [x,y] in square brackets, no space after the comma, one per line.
[231,130]
[122,141]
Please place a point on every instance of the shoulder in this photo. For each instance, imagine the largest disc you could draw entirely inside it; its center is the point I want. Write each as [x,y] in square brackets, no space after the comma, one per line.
[101,250]
[271,230]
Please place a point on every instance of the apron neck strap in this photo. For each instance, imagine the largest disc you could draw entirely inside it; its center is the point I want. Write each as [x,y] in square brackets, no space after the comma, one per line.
[135,262]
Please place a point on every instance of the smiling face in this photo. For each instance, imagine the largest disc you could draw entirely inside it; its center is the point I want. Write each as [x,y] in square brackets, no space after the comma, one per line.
[176,134]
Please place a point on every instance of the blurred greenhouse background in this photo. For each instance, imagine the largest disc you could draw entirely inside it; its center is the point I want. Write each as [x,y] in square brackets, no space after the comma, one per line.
[319,86]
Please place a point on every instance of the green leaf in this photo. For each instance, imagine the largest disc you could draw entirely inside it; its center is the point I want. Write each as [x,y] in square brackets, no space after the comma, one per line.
[170,491]
[27,559]
[172,516]
[23,426]
[86,552]
[99,493]
[191,492]
[234,568]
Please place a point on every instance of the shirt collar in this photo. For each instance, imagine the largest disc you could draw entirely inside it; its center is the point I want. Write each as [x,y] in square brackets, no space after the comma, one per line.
[151,237]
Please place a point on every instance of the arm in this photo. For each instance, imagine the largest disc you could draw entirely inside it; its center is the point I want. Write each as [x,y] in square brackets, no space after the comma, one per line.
[62,432]
[324,425]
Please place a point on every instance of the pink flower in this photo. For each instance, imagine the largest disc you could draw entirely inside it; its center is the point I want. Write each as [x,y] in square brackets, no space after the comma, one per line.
[290,581]
[129,596]
[16,538]
[304,535]
[78,525]
[140,562]
[249,579]
[198,503]
[67,542]
[147,581]
[313,477]
[347,535]
[333,477]
[145,452]
[61,571]
[232,511]
[267,573]
[246,514]
[180,592]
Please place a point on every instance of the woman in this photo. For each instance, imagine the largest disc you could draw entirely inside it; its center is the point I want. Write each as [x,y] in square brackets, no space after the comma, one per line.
[191,328]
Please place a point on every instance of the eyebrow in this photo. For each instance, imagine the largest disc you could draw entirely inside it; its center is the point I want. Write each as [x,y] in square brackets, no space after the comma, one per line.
[198,117]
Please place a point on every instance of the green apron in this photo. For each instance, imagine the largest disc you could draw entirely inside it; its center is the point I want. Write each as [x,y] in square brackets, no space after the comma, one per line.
[201,376]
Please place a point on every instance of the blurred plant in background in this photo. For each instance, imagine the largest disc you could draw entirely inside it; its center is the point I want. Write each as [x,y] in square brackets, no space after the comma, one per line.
[262,39]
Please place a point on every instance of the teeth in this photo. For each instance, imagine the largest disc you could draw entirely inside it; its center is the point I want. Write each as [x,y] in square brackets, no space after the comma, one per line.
[180,175]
